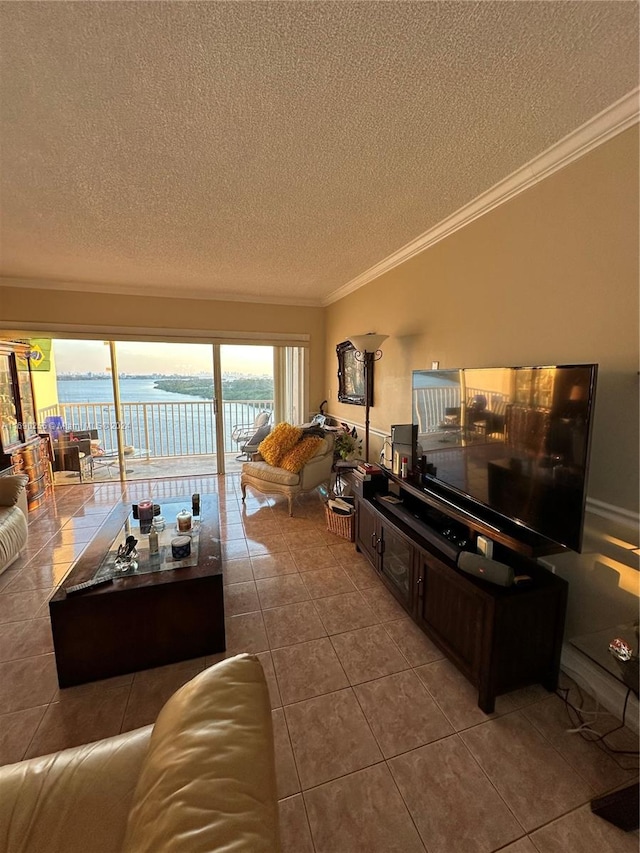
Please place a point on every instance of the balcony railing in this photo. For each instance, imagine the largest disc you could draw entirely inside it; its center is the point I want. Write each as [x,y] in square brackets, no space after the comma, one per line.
[162,429]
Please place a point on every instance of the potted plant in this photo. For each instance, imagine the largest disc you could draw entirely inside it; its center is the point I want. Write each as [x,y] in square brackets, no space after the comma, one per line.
[347,444]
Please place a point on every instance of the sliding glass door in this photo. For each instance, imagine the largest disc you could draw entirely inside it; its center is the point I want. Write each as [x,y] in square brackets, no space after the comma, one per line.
[160,409]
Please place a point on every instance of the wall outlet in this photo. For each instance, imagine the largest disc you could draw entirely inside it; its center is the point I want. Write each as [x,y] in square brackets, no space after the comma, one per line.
[435,365]
[485,546]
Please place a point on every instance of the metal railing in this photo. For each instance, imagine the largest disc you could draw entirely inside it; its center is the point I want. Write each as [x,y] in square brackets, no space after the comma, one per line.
[160,429]
[430,404]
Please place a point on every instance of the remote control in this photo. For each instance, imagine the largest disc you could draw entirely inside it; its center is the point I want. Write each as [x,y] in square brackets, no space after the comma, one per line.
[82,587]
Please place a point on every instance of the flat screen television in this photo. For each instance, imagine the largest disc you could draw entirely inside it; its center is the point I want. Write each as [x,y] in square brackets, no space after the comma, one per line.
[512,441]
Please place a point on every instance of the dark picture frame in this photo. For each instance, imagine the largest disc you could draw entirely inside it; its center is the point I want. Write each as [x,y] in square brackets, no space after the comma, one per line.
[352,377]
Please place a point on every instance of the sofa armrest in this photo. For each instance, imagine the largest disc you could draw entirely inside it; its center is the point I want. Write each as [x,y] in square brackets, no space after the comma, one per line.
[316,471]
[208,782]
[12,490]
[74,801]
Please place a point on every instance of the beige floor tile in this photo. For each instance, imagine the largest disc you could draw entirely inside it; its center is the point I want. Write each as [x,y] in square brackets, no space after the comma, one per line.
[310,559]
[237,571]
[522,845]
[533,778]
[324,582]
[25,639]
[600,770]
[11,574]
[256,526]
[412,642]
[442,781]
[272,682]
[276,592]
[79,718]
[361,813]
[299,539]
[368,653]
[383,604]
[27,683]
[308,669]
[151,689]
[246,633]
[266,543]
[346,555]
[16,731]
[16,607]
[295,835]
[581,831]
[362,575]
[273,565]
[286,773]
[293,623]
[345,612]
[401,713]
[233,531]
[241,598]
[330,737]
[457,698]
[236,549]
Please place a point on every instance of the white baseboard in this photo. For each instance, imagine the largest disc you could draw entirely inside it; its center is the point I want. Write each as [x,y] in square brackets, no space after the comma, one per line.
[607,690]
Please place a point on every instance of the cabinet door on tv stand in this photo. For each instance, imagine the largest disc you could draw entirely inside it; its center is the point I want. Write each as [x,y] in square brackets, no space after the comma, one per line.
[397,556]
[452,612]
[367,532]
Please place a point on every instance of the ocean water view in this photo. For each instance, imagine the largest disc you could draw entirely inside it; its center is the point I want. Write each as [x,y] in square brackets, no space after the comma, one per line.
[131,391]
[152,420]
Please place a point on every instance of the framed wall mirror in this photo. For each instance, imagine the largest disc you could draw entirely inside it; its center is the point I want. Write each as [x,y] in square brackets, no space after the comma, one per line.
[354,383]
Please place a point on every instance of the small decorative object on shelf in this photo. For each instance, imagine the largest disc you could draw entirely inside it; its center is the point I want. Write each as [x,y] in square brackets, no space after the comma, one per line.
[153,541]
[195,503]
[145,515]
[181,547]
[184,521]
[127,556]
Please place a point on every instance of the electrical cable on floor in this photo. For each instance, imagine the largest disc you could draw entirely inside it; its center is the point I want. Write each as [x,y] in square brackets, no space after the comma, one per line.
[582,727]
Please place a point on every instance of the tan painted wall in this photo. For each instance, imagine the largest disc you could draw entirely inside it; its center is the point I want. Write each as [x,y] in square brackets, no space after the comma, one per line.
[93,313]
[45,386]
[549,277]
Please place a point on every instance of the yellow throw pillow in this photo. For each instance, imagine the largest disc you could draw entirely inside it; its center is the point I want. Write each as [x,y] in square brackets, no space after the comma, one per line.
[299,455]
[282,438]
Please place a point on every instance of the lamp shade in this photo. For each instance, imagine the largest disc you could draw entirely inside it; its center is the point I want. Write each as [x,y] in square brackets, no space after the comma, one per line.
[368,343]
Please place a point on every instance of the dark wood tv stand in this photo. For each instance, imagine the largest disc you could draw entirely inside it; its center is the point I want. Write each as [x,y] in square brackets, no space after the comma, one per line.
[500,638]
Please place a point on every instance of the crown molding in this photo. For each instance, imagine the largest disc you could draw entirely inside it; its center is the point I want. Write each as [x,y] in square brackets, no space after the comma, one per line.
[143,333]
[146,290]
[615,119]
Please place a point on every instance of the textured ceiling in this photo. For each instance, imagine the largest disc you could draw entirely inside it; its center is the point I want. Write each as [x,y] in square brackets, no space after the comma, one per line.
[263,150]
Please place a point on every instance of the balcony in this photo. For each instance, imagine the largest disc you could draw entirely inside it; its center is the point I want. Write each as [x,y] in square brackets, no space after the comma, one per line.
[163,439]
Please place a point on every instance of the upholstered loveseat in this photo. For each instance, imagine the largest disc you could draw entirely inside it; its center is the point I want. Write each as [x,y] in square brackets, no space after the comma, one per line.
[13,518]
[285,477]
[202,779]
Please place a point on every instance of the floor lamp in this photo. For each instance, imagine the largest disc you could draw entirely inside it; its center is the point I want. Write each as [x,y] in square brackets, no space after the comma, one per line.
[367,351]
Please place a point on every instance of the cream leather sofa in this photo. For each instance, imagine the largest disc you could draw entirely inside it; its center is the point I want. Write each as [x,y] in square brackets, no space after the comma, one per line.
[13,518]
[269,479]
[200,780]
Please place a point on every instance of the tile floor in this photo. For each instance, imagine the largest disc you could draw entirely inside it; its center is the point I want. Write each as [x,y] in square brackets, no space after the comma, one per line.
[380,744]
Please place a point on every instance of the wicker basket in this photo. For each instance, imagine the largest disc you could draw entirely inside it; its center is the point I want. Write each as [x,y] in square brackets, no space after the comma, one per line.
[341,525]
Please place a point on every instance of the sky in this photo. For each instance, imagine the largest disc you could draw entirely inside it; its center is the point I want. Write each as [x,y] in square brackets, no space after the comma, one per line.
[186,359]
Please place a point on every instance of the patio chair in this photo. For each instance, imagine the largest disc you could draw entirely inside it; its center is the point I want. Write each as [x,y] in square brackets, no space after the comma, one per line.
[246,435]
[72,452]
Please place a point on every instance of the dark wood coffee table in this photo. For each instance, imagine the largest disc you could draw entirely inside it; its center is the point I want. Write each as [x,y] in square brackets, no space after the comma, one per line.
[142,620]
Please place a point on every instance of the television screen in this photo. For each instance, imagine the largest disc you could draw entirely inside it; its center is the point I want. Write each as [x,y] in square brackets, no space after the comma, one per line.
[513,439]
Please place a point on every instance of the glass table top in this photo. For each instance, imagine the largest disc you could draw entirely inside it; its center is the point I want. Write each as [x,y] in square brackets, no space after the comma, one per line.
[144,562]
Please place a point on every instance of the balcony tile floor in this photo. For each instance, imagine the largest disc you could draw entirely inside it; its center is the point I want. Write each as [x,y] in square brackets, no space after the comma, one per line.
[380,745]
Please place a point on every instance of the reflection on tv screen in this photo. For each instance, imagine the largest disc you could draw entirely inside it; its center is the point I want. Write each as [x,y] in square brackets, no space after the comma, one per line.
[514,439]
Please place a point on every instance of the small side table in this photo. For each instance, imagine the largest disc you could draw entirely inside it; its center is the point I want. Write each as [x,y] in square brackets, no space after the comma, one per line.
[619,807]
